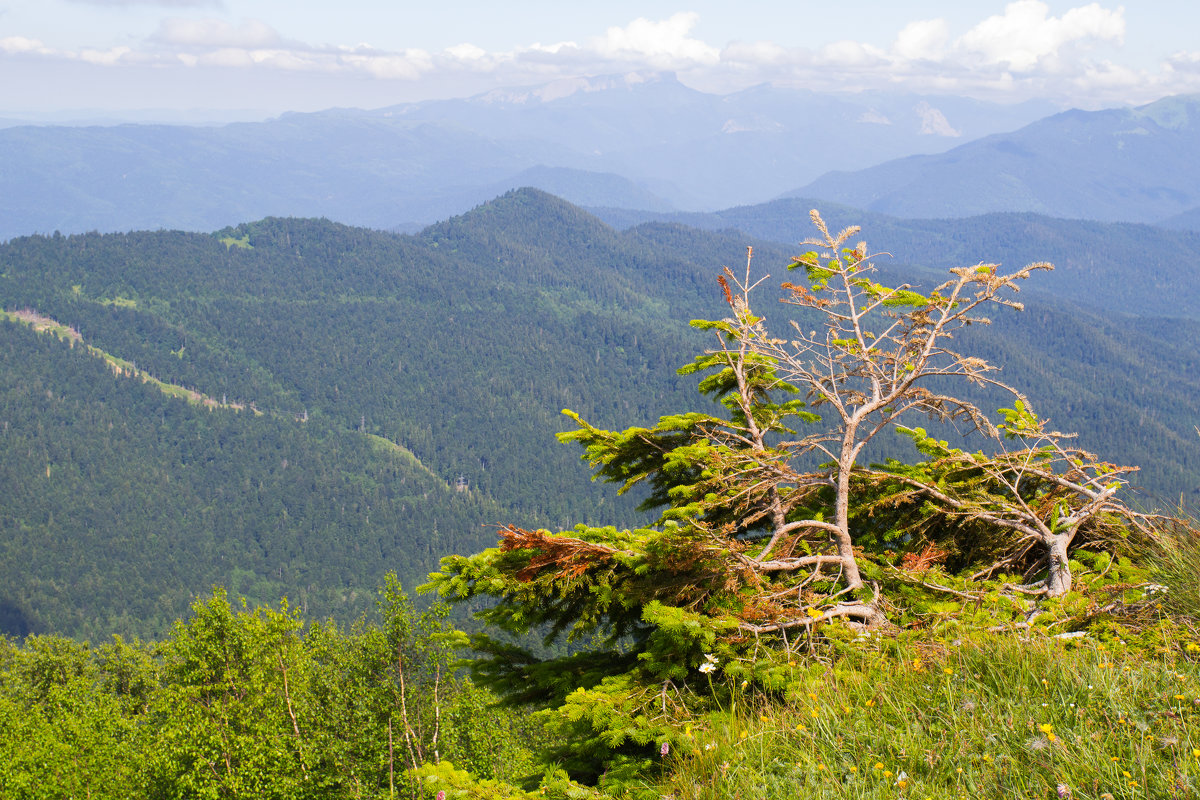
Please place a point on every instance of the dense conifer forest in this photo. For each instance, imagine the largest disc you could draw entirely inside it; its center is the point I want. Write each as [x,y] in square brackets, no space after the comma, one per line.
[352,377]
[194,427]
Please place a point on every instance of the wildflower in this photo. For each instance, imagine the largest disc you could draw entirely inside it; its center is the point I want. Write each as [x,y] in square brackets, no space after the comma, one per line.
[1193,647]
[710,663]
[745,684]
[1195,753]
[1064,792]
[948,671]
[821,767]
[801,728]
[879,765]
[887,773]
[441,795]
[666,748]
[814,613]
[870,703]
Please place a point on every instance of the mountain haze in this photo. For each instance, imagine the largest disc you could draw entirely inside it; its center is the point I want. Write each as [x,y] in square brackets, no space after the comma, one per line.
[1119,165]
[633,141]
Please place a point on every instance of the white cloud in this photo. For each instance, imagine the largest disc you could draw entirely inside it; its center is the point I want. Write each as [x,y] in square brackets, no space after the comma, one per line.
[848,53]
[215,33]
[104,57]
[922,40]
[1021,52]
[664,42]
[756,53]
[467,52]
[1025,35]
[19,44]
[409,65]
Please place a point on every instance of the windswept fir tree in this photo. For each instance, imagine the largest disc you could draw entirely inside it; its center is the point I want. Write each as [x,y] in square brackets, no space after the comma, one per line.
[770,527]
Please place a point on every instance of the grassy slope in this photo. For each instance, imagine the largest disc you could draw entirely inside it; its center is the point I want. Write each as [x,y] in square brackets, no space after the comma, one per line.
[1002,718]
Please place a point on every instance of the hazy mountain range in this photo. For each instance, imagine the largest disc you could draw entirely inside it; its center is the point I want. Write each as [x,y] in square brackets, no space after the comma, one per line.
[634,141]
[1129,165]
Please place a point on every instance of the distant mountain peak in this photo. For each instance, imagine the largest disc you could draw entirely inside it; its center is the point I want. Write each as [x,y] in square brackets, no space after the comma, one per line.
[1173,113]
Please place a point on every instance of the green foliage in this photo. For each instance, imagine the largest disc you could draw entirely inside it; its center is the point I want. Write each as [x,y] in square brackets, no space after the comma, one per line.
[250,702]
[762,552]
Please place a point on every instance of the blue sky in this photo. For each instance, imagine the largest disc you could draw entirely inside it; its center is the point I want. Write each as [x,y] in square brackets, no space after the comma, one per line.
[269,56]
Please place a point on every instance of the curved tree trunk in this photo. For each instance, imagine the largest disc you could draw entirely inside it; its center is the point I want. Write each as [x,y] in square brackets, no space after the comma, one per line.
[1058,576]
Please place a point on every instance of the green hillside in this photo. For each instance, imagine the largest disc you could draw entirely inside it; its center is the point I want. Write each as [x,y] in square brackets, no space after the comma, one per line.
[374,370]
[457,348]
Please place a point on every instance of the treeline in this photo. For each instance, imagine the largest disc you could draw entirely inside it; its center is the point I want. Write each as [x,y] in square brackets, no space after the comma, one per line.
[240,702]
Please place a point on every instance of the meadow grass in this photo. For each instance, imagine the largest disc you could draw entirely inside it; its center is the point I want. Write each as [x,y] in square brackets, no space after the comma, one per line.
[1005,718]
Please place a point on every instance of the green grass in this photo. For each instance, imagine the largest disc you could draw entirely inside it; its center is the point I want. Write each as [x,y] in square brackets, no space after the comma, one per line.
[1004,718]
[242,244]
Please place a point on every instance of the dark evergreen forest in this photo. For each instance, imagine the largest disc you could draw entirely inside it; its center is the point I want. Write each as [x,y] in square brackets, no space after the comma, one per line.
[357,375]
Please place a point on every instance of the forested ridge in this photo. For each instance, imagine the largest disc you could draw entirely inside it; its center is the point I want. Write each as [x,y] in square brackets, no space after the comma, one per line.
[459,345]
[813,596]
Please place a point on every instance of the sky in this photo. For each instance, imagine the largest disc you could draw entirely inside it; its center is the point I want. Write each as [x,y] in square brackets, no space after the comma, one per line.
[255,58]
